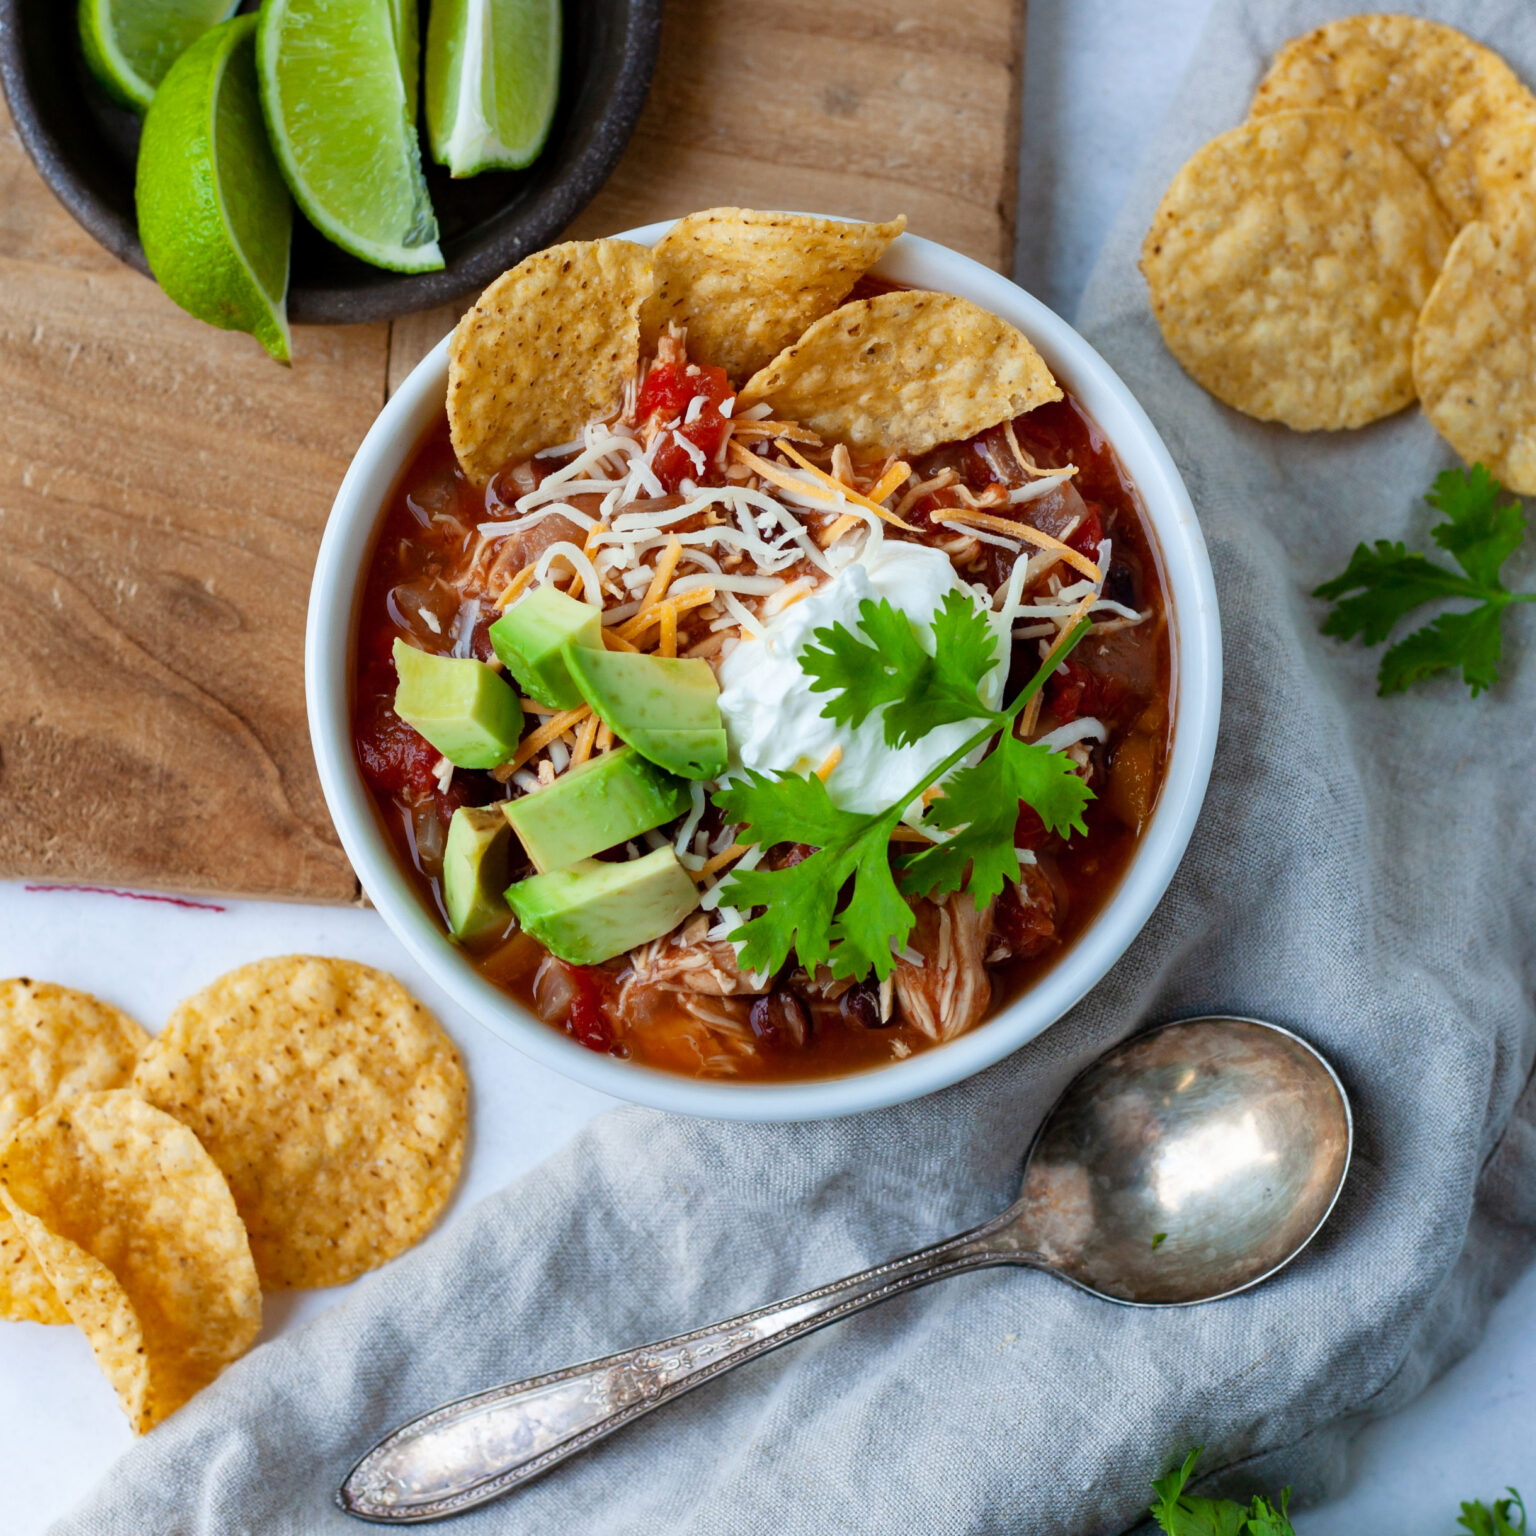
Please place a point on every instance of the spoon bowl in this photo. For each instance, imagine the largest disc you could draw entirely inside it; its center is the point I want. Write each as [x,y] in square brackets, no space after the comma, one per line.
[1185,1164]
[1188,1163]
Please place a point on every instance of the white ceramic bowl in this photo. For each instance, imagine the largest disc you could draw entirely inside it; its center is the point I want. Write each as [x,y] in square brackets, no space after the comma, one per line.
[1196,637]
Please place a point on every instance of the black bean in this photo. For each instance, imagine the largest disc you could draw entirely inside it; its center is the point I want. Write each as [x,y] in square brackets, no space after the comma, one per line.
[780,1019]
[861,1005]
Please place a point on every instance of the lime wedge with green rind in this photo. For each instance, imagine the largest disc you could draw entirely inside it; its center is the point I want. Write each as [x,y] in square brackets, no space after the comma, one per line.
[214,215]
[131,44]
[492,79]
[340,121]
[405,22]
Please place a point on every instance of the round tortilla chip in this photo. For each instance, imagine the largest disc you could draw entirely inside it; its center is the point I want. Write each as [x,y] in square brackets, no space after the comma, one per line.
[1474,352]
[1287,264]
[137,1233]
[1450,104]
[548,347]
[746,284]
[904,371]
[54,1043]
[331,1100]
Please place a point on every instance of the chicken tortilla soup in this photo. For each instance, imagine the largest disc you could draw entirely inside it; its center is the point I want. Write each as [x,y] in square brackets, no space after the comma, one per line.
[762,669]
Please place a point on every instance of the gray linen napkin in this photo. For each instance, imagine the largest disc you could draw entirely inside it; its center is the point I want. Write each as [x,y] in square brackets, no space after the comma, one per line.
[1365,872]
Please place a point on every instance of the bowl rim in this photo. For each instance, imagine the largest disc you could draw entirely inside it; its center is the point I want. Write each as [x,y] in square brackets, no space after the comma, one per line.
[387,295]
[1196,667]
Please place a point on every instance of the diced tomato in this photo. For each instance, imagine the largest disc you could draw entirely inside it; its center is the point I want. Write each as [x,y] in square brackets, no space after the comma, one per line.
[1072,691]
[588,1019]
[1088,534]
[1075,690]
[668,390]
[1025,915]
[1029,831]
[390,753]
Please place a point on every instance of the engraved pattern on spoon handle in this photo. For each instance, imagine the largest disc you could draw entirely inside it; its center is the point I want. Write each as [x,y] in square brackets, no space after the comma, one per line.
[470,1451]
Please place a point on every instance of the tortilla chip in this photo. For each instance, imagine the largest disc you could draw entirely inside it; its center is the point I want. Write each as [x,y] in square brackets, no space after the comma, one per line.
[548,347]
[1448,103]
[138,1234]
[333,1102]
[903,371]
[1474,353]
[54,1043]
[1287,264]
[746,284]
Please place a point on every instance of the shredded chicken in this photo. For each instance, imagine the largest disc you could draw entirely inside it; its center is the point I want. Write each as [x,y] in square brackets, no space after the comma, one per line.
[684,963]
[950,991]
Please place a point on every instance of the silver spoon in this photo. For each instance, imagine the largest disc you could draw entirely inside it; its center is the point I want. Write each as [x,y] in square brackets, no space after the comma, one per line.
[1188,1163]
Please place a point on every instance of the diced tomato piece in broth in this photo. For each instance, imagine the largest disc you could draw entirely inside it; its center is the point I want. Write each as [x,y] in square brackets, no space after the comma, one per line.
[392,755]
[588,1019]
[668,390]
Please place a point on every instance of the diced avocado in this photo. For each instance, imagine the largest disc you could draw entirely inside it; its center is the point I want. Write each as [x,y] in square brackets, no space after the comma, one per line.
[475,870]
[653,701]
[529,637]
[592,911]
[604,802]
[698,754]
[460,705]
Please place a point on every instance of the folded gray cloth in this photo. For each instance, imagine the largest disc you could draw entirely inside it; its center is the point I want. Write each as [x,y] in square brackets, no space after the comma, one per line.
[1365,872]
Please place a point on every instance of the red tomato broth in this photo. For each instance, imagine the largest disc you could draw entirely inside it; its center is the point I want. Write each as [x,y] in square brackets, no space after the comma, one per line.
[429,524]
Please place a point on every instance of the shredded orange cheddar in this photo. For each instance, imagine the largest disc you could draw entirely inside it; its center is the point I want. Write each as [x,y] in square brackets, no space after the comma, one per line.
[856,497]
[632,629]
[515,586]
[584,739]
[666,566]
[551,730]
[891,481]
[964,515]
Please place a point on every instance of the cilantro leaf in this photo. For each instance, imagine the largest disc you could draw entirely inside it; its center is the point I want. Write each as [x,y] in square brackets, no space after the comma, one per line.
[864,674]
[1183,1514]
[799,905]
[1385,582]
[980,805]
[1477,1518]
[892,669]
[793,809]
[1480,534]
[1390,583]
[1470,641]
[841,907]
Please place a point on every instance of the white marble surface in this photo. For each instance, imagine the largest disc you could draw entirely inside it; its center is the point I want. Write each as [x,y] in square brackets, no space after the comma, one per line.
[1100,73]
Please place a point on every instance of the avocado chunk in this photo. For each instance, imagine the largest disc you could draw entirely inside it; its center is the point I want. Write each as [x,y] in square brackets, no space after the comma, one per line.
[693,754]
[460,705]
[653,702]
[606,801]
[592,911]
[529,637]
[475,862]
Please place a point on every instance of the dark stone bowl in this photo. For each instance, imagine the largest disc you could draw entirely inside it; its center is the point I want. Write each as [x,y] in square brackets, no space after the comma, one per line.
[84,146]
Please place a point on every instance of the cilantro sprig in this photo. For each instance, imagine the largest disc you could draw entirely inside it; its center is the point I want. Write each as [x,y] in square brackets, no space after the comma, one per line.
[1184,1514]
[844,905]
[1480,1520]
[1385,581]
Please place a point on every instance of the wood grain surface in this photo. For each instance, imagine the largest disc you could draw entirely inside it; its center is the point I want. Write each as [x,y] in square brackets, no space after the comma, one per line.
[163,485]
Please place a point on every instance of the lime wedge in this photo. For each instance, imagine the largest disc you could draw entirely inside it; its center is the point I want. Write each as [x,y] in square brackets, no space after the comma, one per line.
[339,115]
[130,44]
[493,75]
[405,24]
[214,214]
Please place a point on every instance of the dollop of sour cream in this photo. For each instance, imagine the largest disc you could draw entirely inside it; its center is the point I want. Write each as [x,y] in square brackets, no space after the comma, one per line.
[774,722]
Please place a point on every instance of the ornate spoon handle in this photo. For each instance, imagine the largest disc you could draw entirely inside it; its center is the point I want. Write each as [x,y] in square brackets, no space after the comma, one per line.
[468,1452]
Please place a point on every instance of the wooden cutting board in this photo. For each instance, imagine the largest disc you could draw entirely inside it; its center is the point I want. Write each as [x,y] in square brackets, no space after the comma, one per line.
[163,486]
